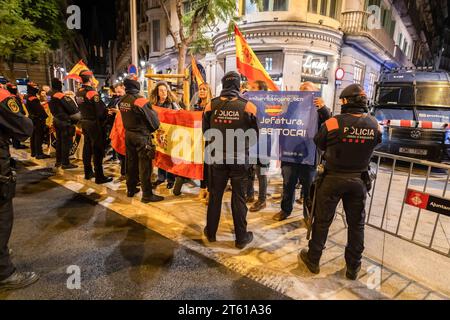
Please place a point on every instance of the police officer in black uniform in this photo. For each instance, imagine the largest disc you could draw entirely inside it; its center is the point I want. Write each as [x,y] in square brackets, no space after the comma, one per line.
[93,116]
[13,124]
[230,112]
[65,114]
[348,141]
[38,115]
[12,88]
[139,121]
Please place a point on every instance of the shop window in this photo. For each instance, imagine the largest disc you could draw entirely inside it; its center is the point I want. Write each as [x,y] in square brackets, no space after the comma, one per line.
[358,73]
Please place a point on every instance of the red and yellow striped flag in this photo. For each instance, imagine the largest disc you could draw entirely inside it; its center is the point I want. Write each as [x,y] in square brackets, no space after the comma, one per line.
[197,75]
[248,63]
[179,142]
[75,73]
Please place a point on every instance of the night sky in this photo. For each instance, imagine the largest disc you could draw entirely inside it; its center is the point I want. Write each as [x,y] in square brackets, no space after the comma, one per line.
[102,12]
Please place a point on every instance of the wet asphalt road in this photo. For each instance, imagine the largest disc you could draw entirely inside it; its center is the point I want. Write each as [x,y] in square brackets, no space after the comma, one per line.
[55,228]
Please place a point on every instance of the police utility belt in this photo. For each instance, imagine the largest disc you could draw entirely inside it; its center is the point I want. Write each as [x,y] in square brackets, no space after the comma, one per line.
[368,177]
[8,186]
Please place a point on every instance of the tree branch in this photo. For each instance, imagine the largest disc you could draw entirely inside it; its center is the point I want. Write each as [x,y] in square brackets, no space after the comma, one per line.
[199,14]
[169,24]
[180,20]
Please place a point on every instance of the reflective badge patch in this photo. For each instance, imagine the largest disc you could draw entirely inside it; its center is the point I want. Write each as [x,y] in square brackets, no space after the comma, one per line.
[96,98]
[12,105]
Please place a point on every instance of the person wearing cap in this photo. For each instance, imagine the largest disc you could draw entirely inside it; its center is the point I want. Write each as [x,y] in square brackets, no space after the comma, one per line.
[139,121]
[13,125]
[38,115]
[348,141]
[294,172]
[93,116]
[12,88]
[65,115]
[229,113]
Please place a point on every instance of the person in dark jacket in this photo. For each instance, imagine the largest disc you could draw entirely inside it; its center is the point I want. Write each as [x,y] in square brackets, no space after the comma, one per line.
[13,125]
[12,88]
[293,172]
[38,115]
[139,121]
[65,115]
[93,117]
[348,141]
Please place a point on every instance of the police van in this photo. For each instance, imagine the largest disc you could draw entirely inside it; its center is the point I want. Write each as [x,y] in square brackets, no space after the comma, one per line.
[413,107]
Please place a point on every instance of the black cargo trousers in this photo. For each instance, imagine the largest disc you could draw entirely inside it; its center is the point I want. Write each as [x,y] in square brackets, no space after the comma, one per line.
[218,179]
[94,142]
[64,141]
[139,163]
[351,189]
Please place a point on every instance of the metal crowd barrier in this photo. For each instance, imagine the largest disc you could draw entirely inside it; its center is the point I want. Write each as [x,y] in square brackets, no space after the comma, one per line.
[386,208]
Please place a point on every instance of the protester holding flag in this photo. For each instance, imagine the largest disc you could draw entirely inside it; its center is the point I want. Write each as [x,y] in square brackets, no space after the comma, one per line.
[163,97]
[204,98]
[139,121]
[292,172]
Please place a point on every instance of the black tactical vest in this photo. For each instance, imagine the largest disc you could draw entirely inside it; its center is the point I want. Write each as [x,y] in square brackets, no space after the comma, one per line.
[85,103]
[229,117]
[352,146]
[133,120]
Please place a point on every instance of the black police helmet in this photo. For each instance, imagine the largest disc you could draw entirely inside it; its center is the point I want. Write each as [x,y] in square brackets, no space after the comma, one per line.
[86,75]
[231,80]
[131,83]
[56,84]
[353,90]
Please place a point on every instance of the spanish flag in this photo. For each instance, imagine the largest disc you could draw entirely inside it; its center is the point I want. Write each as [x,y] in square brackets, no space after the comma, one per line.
[117,135]
[74,73]
[179,142]
[248,63]
[197,75]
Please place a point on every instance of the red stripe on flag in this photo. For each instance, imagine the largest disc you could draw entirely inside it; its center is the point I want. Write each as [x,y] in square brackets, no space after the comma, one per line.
[190,119]
[253,74]
[181,168]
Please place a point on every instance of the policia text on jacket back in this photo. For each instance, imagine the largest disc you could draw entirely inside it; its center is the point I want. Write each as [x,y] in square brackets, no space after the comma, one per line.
[13,125]
[93,115]
[348,141]
[229,112]
[139,121]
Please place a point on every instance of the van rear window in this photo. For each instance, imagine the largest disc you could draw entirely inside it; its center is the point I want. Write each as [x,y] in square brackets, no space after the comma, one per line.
[395,95]
[394,114]
[433,96]
[434,115]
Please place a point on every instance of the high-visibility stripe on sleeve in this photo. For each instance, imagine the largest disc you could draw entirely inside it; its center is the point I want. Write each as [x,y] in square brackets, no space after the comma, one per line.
[59,95]
[332,124]
[91,94]
[141,102]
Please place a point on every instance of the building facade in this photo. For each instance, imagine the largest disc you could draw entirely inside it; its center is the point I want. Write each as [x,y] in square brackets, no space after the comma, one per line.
[296,41]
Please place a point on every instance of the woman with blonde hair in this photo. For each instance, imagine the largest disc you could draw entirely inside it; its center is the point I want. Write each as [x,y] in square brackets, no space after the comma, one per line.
[203,97]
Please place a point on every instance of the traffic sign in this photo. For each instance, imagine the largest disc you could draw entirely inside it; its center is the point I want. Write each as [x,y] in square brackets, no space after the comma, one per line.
[132,69]
[340,73]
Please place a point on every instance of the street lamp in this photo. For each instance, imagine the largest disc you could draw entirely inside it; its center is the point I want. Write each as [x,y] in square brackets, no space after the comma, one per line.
[125,74]
[120,78]
[142,63]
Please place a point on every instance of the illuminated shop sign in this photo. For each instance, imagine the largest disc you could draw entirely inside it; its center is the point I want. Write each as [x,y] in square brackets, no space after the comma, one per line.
[315,68]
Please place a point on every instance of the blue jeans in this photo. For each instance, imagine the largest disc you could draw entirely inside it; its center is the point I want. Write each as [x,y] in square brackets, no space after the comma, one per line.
[291,173]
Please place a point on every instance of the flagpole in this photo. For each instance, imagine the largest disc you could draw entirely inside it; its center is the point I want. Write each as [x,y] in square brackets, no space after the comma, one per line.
[134,42]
